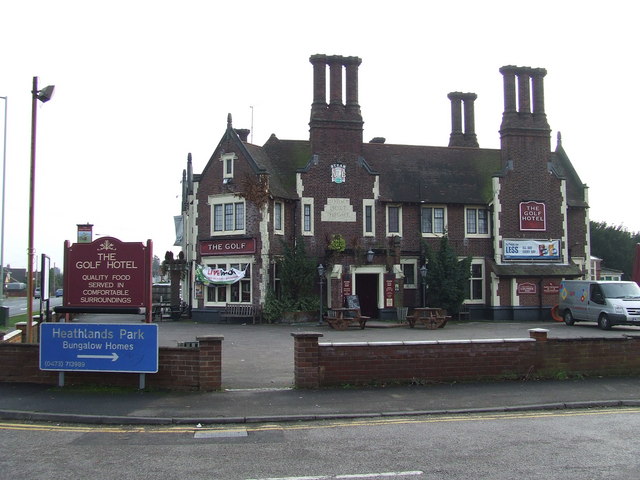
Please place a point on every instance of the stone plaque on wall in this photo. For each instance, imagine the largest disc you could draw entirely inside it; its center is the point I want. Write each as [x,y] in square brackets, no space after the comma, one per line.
[338,210]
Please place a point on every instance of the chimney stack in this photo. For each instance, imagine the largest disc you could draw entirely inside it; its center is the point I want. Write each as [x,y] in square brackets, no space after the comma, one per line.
[524,84]
[342,111]
[460,138]
[243,133]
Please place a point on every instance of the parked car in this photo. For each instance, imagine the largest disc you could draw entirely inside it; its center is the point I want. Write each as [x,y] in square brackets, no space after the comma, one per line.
[59,292]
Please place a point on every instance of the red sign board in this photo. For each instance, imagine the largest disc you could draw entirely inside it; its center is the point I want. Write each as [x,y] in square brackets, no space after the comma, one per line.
[107,273]
[346,285]
[527,288]
[228,246]
[551,288]
[533,216]
[389,290]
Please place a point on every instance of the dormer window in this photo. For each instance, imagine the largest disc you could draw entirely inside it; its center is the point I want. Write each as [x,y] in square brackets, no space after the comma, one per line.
[227,160]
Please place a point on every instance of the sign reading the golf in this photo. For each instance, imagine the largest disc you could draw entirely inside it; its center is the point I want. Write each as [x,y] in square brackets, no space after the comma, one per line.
[108,273]
[96,347]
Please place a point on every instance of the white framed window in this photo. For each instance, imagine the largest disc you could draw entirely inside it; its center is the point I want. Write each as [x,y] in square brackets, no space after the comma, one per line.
[433,220]
[307,216]
[410,272]
[368,218]
[227,215]
[278,218]
[477,222]
[475,291]
[239,292]
[228,164]
[394,220]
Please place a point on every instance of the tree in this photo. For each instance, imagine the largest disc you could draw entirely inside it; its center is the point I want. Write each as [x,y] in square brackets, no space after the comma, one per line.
[615,245]
[447,276]
[297,271]
[155,266]
[297,275]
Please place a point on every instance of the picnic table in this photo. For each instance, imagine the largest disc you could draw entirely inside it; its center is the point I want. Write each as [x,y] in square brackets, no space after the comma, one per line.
[430,317]
[341,318]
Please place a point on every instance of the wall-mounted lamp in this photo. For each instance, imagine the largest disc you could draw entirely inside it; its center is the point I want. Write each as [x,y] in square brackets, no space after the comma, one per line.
[370,256]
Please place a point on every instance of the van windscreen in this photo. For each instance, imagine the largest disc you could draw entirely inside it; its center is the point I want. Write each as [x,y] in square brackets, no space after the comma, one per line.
[621,290]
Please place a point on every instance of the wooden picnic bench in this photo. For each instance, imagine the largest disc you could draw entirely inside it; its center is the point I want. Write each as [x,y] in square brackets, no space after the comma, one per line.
[241,310]
[342,318]
[431,318]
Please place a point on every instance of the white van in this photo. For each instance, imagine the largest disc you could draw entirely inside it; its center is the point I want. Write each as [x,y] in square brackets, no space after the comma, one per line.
[608,303]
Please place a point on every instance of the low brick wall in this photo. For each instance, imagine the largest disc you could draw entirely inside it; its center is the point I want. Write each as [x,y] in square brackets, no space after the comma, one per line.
[361,363]
[197,368]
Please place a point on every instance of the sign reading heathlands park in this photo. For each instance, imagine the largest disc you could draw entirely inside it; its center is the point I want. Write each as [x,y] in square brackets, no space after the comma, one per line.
[95,347]
[108,273]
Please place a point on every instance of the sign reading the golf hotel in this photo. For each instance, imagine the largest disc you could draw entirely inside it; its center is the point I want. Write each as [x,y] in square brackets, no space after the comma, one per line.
[533,216]
[95,347]
[108,273]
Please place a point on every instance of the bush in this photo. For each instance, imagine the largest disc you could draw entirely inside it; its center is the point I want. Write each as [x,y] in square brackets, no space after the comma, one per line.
[275,307]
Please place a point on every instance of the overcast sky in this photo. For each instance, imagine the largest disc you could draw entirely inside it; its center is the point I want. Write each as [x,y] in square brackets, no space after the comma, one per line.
[140,84]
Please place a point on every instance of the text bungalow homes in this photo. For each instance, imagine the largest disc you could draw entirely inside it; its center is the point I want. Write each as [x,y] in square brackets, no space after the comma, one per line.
[519,211]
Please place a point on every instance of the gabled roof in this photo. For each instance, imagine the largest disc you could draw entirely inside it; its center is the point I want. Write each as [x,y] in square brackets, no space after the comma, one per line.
[564,167]
[282,158]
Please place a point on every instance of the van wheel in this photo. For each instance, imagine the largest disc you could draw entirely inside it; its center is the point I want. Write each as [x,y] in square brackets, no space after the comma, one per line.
[568,317]
[603,322]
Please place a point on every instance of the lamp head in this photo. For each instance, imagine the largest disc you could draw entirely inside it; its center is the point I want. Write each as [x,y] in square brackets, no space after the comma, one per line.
[423,271]
[320,270]
[45,94]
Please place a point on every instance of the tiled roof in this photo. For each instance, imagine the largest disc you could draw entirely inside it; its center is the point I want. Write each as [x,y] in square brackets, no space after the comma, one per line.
[410,174]
[433,174]
[547,270]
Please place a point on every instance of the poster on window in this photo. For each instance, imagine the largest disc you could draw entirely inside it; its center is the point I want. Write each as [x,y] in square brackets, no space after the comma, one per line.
[531,249]
[218,276]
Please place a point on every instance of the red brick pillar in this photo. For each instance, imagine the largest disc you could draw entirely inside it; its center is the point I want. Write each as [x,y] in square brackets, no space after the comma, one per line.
[306,360]
[210,362]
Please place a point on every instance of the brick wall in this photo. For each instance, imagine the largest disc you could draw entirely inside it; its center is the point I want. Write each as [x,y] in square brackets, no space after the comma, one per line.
[460,360]
[178,368]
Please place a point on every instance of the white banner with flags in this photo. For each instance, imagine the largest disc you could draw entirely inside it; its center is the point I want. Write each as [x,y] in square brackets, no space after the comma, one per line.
[218,276]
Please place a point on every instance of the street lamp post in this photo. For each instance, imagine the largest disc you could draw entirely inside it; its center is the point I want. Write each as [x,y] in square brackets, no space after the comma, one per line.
[423,274]
[43,95]
[321,275]
[4,183]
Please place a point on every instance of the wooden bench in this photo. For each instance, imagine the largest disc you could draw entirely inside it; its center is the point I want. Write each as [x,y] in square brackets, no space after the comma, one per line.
[342,318]
[431,318]
[463,313]
[241,310]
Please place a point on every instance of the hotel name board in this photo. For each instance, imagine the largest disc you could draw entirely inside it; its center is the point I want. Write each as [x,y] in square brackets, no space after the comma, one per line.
[228,246]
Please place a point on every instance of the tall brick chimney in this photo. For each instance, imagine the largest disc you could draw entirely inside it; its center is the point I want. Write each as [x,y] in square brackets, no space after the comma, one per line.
[519,82]
[459,138]
[335,126]
[524,127]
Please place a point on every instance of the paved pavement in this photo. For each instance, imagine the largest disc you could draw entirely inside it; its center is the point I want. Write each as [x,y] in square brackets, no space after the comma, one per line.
[258,376]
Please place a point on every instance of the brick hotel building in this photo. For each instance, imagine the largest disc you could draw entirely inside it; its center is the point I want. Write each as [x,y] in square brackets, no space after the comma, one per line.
[520,211]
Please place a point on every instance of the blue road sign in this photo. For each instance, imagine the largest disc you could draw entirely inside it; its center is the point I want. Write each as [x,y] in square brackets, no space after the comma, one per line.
[97,347]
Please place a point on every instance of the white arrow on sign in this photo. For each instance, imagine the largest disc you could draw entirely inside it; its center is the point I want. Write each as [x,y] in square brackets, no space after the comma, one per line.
[113,356]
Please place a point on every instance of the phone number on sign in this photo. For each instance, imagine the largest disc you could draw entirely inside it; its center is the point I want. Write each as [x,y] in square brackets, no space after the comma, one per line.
[63,364]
